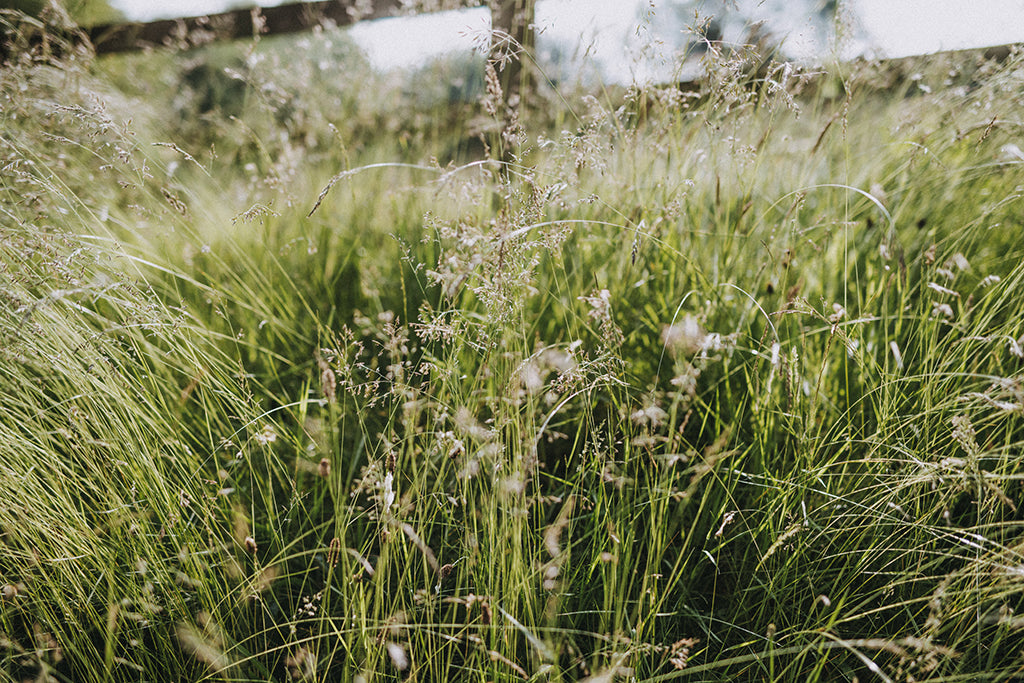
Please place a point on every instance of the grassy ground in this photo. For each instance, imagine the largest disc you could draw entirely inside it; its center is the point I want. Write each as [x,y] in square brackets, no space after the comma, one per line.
[712,387]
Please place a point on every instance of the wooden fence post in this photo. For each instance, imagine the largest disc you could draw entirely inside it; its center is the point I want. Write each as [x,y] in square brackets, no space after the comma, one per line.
[512,35]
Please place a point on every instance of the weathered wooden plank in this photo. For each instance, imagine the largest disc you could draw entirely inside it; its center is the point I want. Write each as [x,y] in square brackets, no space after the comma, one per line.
[292,18]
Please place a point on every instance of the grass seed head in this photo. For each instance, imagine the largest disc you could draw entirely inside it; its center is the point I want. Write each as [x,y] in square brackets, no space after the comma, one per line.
[250,545]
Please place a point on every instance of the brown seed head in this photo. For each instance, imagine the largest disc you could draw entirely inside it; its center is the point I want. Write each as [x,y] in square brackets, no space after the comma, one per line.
[334,552]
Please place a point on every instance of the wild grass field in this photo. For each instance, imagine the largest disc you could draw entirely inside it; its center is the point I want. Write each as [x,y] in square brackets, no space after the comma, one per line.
[298,383]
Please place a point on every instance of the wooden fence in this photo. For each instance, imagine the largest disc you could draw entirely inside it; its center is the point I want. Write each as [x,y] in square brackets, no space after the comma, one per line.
[304,16]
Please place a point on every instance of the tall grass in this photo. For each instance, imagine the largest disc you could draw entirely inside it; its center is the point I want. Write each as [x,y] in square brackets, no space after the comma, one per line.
[713,386]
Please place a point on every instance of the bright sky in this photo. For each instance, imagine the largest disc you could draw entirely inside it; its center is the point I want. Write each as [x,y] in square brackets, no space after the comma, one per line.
[626,47]
[906,27]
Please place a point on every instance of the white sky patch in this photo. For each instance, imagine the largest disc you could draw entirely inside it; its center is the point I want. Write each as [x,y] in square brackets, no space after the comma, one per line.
[148,10]
[898,28]
[408,42]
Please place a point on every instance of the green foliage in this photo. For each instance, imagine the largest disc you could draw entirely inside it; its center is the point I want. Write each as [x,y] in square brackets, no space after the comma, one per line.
[721,387]
[92,12]
[30,7]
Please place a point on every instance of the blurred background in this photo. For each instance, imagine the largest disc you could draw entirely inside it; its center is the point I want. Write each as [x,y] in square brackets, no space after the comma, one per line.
[636,41]
[623,41]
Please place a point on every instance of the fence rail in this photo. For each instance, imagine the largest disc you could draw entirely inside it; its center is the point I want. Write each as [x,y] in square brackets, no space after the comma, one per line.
[246,23]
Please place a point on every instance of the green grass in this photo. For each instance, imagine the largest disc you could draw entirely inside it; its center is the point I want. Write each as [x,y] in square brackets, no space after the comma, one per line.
[714,388]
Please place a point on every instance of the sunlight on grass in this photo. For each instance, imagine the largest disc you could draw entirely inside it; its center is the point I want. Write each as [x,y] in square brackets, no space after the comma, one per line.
[299,384]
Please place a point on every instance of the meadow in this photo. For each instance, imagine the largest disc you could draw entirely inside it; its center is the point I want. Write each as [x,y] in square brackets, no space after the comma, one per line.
[298,381]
